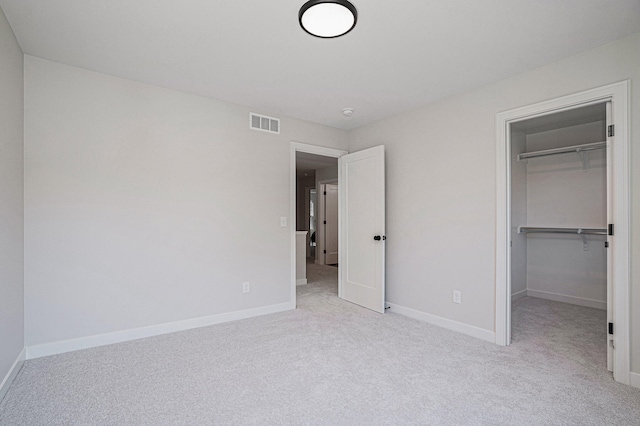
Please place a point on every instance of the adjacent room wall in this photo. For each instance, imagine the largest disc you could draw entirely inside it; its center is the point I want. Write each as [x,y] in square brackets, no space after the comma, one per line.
[145,206]
[11,205]
[561,194]
[555,191]
[518,216]
[302,184]
[327,173]
[441,185]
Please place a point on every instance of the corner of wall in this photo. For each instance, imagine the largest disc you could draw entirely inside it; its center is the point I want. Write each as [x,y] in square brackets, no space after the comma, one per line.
[634,380]
[12,373]
[11,205]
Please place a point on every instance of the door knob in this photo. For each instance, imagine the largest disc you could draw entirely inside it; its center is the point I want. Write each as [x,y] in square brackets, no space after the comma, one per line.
[378,237]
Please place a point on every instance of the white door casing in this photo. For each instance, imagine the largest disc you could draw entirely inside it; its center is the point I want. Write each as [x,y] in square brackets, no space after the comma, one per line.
[610,248]
[362,237]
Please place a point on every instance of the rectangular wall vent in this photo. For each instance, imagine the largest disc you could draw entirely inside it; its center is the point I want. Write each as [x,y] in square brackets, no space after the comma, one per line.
[264,123]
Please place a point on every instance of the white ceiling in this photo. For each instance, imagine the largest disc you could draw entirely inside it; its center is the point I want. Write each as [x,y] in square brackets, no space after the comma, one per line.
[402,54]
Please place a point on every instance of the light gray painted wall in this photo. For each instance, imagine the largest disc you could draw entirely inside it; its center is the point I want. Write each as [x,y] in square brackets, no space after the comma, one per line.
[561,194]
[327,173]
[301,185]
[518,214]
[11,199]
[145,205]
[441,185]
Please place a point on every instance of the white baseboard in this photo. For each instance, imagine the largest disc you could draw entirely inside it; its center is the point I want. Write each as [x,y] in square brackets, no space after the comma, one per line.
[518,295]
[634,379]
[12,373]
[59,347]
[467,329]
[301,281]
[589,303]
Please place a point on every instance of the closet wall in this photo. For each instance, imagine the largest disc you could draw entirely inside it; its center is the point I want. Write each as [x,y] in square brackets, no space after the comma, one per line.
[556,191]
[518,215]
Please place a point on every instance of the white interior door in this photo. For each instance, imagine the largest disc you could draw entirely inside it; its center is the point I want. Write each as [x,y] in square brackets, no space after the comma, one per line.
[610,293]
[362,228]
[331,224]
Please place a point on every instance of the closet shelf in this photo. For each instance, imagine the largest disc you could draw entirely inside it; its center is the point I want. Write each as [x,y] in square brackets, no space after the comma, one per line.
[582,232]
[563,150]
[578,231]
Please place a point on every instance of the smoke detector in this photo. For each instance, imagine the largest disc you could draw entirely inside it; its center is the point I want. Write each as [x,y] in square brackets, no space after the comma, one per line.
[347,112]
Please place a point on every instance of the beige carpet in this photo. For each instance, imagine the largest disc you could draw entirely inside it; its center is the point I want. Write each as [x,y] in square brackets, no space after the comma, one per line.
[332,363]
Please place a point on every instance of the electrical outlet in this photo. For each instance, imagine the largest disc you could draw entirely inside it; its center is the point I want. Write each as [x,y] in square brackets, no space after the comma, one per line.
[246,288]
[457,296]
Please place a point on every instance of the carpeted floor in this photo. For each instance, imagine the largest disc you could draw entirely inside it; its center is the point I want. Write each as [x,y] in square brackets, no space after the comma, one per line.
[332,363]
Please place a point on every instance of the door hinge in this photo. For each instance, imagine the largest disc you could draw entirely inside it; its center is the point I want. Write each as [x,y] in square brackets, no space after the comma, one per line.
[610,328]
[325,192]
[611,130]
[611,229]
[325,222]
[606,244]
[325,252]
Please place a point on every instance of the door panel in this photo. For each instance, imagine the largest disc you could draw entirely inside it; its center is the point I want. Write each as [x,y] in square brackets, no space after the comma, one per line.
[331,227]
[362,214]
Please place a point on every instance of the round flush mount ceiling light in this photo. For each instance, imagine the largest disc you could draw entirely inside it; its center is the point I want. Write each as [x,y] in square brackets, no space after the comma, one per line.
[347,112]
[328,18]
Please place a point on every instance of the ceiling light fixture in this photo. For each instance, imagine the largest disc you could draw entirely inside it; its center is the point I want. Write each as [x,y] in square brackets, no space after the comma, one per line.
[347,112]
[328,18]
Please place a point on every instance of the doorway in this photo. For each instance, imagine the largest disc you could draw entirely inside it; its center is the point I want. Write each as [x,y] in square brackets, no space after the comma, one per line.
[320,165]
[361,223]
[562,190]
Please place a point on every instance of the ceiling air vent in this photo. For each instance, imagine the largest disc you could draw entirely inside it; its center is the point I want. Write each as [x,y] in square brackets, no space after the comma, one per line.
[264,123]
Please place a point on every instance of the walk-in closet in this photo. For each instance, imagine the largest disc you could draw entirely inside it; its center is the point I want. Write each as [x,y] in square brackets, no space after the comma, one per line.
[559,226]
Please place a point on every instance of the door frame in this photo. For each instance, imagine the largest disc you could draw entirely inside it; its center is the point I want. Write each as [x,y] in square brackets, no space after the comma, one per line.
[310,149]
[320,233]
[307,218]
[618,94]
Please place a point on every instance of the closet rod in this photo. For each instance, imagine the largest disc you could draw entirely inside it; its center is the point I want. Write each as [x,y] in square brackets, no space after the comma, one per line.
[579,231]
[554,151]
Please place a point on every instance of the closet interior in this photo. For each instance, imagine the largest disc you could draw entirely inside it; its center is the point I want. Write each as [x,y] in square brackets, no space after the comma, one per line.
[559,207]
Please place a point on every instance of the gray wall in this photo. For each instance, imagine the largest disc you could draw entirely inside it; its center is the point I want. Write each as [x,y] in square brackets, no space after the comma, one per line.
[441,185]
[327,173]
[11,200]
[518,215]
[302,183]
[561,194]
[147,206]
